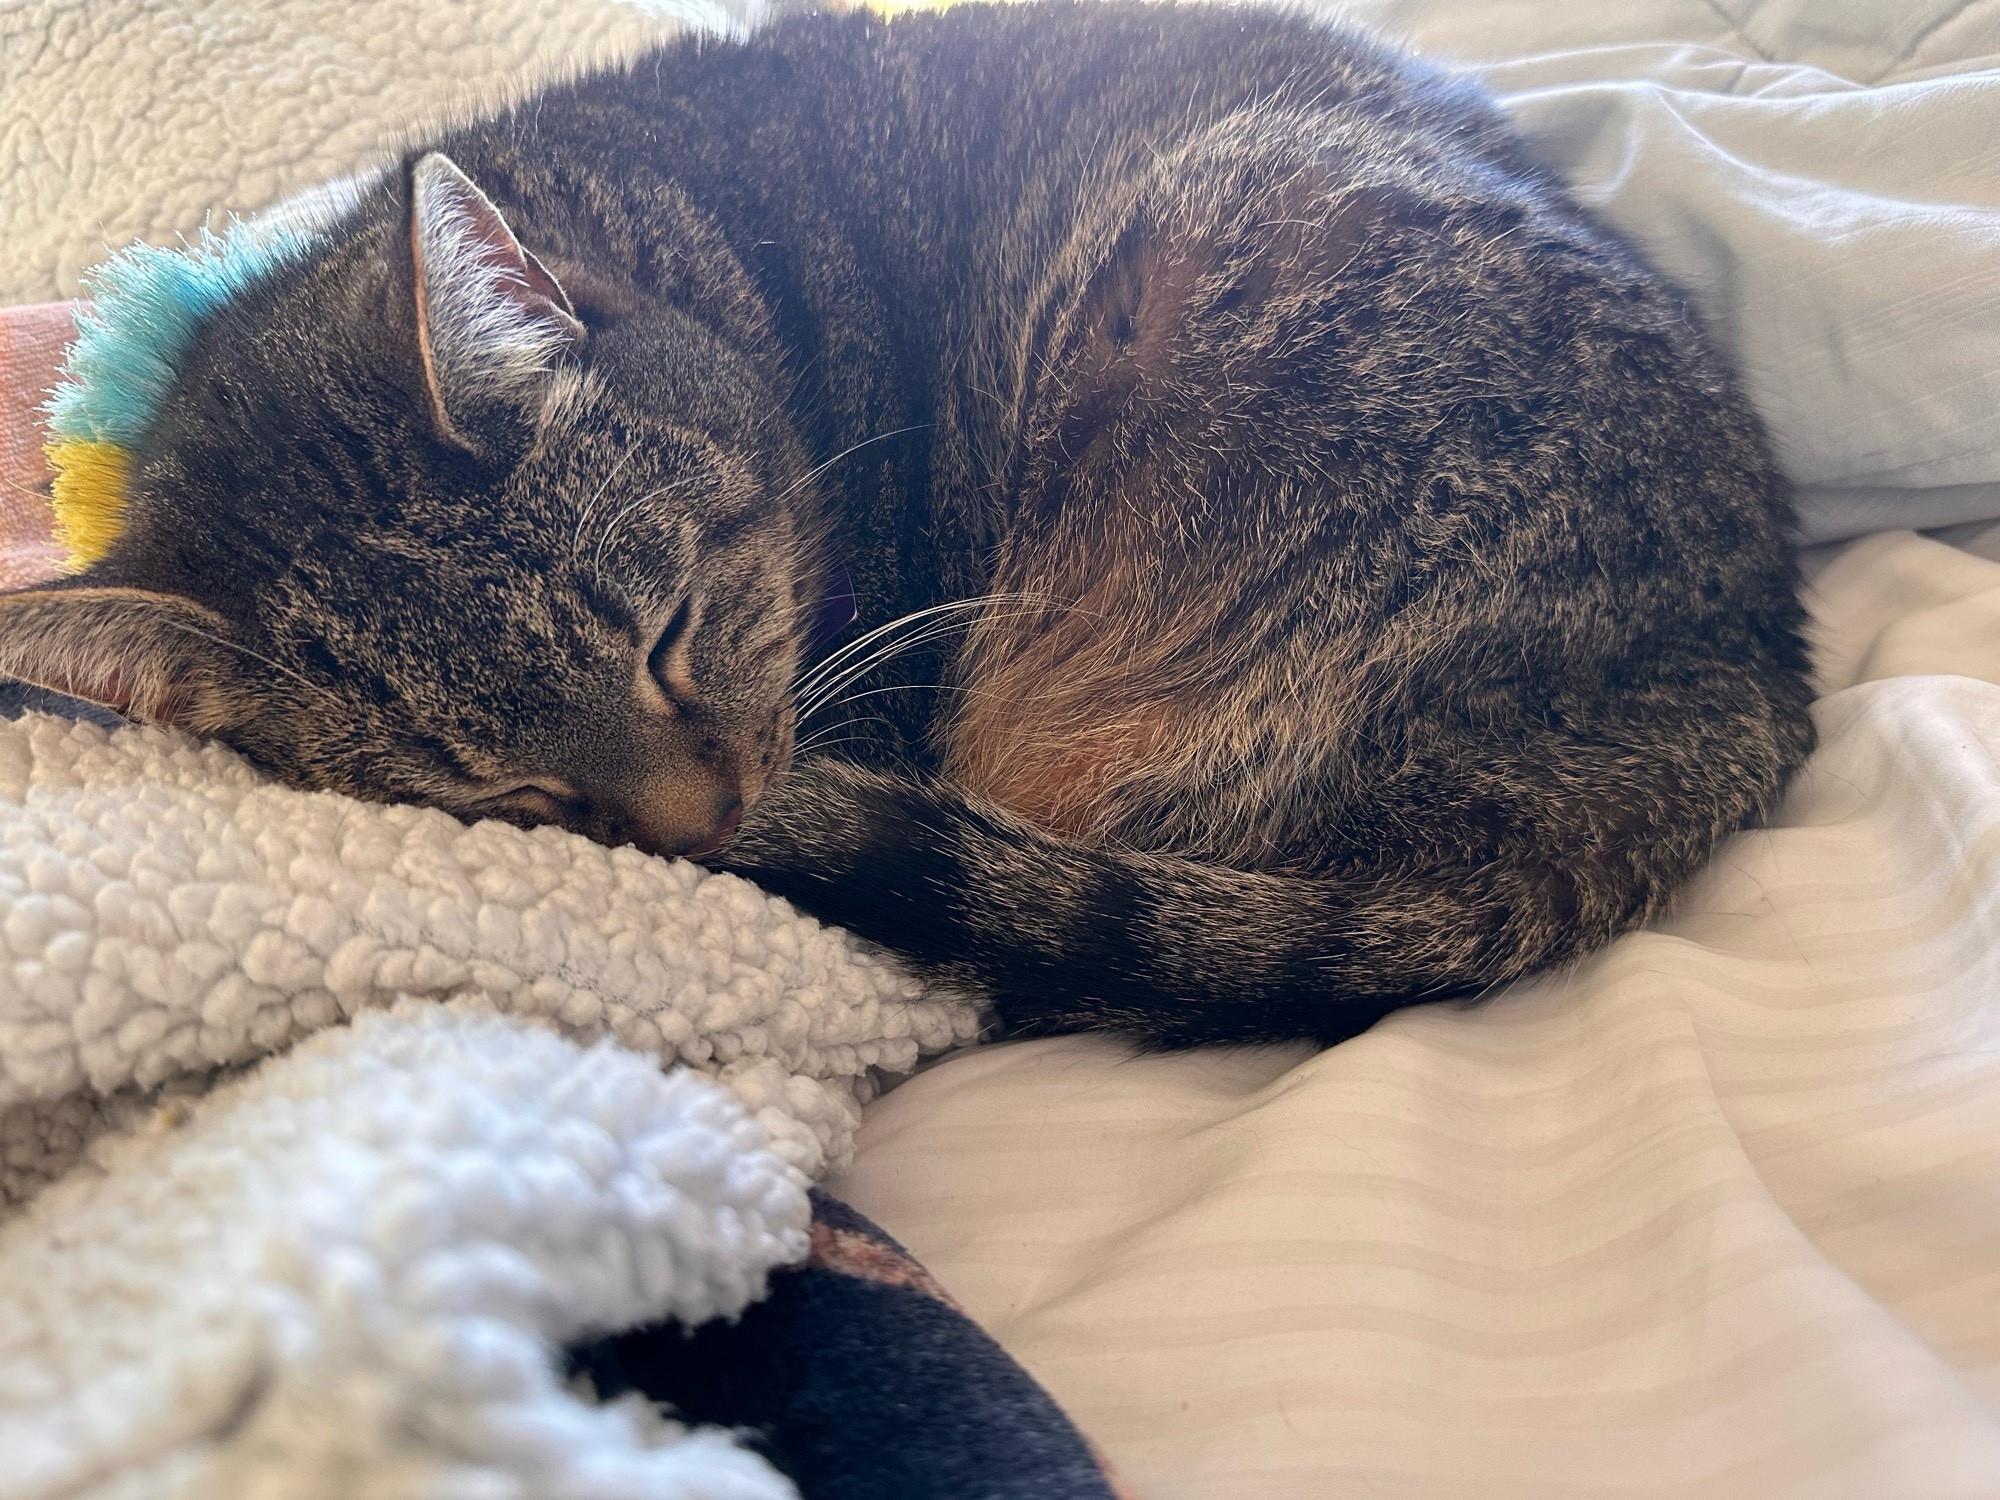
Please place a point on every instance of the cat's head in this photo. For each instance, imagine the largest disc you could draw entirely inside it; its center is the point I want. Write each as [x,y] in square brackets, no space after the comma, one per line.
[412,522]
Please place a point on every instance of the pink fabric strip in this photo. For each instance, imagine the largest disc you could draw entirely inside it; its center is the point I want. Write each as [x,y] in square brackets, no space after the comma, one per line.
[33,340]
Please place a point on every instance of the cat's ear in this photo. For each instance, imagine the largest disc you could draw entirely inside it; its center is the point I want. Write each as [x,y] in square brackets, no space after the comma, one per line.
[157,658]
[492,323]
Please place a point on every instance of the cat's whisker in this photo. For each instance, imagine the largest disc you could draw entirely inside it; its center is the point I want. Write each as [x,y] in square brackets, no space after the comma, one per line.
[824,694]
[610,532]
[830,663]
[824,687]
[901,687]
[583,516]
[243,650]
[820,468]
[813,691]
[808,681]
[961,689]
[817,750]
[830,735]
[838,734]
[888,650]
[831,670]
[821,700]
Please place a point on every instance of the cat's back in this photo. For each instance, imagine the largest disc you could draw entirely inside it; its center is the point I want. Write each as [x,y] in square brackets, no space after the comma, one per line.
[932,124]
[1485,393]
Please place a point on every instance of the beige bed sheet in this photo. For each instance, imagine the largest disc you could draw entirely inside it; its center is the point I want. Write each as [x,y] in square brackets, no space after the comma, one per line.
[1714,1217]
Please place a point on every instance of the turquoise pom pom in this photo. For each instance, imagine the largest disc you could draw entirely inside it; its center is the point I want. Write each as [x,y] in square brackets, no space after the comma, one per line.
[146,303]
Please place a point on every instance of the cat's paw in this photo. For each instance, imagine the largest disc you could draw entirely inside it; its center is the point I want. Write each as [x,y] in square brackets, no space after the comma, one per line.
[813,819]
[880,855]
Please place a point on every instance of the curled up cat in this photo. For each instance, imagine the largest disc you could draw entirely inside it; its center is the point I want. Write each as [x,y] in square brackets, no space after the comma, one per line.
[1307,564]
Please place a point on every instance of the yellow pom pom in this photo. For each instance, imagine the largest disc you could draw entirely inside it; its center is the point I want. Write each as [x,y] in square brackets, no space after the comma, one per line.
[89,495]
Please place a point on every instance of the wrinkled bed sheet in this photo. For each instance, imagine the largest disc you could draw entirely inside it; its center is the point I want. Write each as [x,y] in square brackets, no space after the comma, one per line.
[1716,1215]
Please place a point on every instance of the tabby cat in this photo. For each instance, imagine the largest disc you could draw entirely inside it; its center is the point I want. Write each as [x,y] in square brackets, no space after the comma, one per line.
[1307,564]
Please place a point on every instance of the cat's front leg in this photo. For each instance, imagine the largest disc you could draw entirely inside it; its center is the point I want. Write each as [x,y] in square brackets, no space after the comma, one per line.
[885,856]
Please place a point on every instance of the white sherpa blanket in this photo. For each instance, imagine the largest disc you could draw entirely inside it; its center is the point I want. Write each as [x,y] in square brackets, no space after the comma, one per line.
[349,1271]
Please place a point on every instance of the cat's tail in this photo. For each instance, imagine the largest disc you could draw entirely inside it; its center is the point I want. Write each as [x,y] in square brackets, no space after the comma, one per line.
[1168,950]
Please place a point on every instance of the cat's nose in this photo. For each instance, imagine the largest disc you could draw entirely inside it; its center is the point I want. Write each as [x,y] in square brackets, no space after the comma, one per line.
[725,829]
[678,818]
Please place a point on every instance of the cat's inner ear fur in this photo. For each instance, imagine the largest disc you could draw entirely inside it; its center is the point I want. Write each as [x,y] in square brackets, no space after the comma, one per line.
[492,323]
[157,658]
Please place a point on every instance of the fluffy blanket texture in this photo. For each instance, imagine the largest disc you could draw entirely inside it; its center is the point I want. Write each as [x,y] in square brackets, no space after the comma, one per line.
[341,1276]
[135,119]
[168,912]
[350,1271]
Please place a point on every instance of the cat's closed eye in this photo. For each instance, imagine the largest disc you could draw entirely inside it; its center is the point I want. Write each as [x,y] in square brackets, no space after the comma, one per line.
[665,663]
[533,802]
